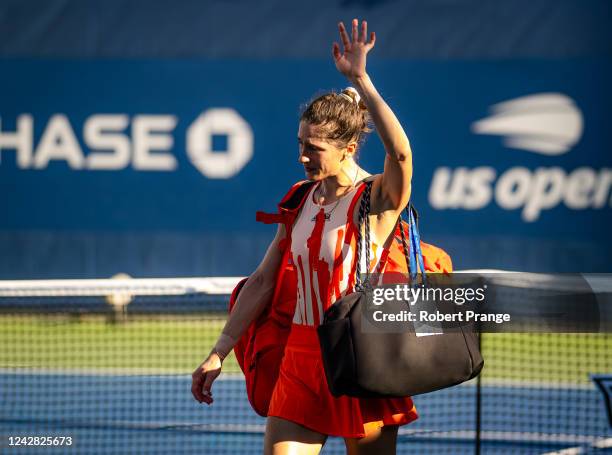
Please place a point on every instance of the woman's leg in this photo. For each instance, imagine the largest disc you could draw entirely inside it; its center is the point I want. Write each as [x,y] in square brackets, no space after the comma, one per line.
[288,438]
[382,441]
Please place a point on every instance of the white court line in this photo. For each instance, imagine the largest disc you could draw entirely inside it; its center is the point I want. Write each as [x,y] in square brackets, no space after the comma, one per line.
[603,443]
[570,451]
[518,383]
[467,435]
[238,375]
[506,436]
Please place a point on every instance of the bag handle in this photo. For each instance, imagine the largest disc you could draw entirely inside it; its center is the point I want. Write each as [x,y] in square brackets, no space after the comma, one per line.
[364,211]
[413,255]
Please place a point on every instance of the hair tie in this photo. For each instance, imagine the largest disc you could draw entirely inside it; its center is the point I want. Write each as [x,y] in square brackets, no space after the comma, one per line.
[355,98]
[355,95]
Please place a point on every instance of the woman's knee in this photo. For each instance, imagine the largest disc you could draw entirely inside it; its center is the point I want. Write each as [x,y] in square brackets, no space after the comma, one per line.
[381,441]
[286,437]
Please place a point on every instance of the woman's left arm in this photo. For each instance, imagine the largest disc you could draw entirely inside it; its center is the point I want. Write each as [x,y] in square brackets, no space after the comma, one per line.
[394,186]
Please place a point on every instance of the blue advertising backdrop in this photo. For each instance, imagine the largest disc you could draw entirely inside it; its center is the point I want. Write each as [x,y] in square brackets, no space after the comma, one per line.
[155,167]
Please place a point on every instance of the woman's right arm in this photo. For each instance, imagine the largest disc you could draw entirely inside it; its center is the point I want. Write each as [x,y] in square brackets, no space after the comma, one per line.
[253,298]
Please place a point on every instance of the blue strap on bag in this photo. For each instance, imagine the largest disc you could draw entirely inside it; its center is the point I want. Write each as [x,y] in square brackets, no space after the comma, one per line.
[415,254]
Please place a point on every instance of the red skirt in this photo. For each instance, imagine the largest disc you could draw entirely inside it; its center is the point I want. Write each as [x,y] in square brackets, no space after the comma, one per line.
[301,395]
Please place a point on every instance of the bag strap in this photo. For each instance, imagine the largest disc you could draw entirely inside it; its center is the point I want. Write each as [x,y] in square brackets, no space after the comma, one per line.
[364,211]
[288,206]
[297,195]
[415,242]
[413,255]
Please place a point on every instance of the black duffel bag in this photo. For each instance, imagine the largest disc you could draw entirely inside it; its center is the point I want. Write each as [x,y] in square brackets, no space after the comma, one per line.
[361,362]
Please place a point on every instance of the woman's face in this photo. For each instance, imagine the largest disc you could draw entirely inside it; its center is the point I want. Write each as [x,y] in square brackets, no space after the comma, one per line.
[320,158]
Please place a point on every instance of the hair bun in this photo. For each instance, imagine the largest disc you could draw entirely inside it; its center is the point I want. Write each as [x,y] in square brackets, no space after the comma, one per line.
[353,95]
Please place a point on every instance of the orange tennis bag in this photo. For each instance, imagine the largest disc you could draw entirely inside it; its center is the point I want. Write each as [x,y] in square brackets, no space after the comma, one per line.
[260,350]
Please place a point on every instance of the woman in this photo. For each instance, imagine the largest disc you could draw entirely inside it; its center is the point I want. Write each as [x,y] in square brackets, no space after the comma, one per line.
[302,412]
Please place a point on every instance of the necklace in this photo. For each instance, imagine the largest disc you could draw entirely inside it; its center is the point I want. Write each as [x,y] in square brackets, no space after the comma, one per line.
[327,215]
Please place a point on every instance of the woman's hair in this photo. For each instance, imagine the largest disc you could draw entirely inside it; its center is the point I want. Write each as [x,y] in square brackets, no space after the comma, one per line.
[342,116]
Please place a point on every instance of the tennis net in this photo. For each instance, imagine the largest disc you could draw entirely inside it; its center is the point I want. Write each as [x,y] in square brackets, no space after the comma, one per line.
[108,363]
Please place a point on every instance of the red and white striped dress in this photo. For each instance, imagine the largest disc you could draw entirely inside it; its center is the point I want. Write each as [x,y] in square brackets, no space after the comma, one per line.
[323,244]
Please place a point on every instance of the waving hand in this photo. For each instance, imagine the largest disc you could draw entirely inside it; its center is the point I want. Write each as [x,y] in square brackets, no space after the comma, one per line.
[352,62]
[391,190]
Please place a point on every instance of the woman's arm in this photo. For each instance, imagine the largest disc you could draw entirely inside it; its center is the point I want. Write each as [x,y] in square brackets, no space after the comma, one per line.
[392,191]
[252,300]
[258,291]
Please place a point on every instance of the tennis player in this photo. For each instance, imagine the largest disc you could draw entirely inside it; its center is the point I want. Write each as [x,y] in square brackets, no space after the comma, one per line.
[302,412]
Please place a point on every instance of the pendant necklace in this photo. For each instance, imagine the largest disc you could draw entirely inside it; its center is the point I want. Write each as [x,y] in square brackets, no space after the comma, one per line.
[328,214]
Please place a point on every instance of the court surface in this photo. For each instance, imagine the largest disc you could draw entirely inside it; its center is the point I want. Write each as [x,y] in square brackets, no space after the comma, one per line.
[107,413]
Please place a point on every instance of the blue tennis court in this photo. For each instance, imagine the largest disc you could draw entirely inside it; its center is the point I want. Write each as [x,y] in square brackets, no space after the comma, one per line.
[156,414]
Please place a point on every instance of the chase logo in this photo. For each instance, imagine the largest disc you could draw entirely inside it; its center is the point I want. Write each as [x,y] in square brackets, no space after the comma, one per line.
[200,151]
[110,142]
[546,123]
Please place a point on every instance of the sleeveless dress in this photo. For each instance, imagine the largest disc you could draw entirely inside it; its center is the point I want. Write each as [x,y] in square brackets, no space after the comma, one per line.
[323,244]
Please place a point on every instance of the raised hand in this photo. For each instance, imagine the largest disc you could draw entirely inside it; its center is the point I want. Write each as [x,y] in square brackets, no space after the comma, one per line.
[352,62]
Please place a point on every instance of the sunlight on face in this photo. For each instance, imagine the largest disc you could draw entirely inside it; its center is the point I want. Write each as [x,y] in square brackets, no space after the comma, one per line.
[319,157]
